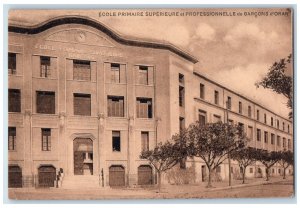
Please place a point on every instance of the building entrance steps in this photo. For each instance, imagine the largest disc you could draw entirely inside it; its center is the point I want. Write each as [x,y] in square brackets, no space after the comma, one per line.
[81,182]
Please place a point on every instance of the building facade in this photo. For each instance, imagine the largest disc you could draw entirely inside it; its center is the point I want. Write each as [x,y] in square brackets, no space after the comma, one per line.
[84,101]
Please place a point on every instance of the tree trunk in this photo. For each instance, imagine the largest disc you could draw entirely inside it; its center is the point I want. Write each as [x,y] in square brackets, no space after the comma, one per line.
[244,172]
[209,185]
[159,180]
[284,169]
[267,174]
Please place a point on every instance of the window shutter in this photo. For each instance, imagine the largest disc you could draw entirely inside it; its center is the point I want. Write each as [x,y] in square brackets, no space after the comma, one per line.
[107,72]
[150,75]
[36,65]
[121,103]
[19,64]
[122,73]
[53,67]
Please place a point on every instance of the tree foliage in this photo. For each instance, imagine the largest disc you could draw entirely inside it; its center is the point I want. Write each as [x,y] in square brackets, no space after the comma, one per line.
[277,80]
[286,160]
[245,157]
[213,142]
[268,159]
[163,157]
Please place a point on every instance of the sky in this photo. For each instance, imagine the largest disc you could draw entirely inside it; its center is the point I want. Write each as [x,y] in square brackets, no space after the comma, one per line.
[235,51]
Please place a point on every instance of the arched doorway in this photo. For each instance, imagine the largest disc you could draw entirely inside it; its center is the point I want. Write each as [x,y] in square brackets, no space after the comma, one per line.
[144,175]
[46,175]
[116,175]
[14,176]
[83,156]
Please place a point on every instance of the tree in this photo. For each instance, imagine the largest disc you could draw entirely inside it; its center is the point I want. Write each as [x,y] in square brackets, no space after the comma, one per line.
[245,157]
[268,159]
[287,159]
[277,80]
[163,157]
[212,142]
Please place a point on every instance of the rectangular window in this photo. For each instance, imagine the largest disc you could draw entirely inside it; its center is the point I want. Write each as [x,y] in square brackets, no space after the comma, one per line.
[250,132]
[240,108]
[284,142]
[228,103]
[115,73]
[272,121]
[202,117]
[258,134]
[145,140]
[265,118]
[116,141]
[144,107]
[283,126]
[45,102]
[12,133]
[202,91]
[249,111]
[115,105]
[278,141]
[277,124]
[251,170]
[181,123]
[81,70]
[257,115]
[272,139]
[14,100]
[46,139]
[181,78]
[242,127]
[216,97]
[288,128]
[266,137]
[216,118]
[45,66]
[82,104]
[181,96]
[289,144]
[12,63]
[143,75]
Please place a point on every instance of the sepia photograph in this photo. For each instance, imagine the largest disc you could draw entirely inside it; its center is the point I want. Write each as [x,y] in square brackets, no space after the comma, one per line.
[153,103]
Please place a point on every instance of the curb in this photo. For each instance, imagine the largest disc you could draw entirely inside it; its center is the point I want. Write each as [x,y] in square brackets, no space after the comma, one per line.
[245,185]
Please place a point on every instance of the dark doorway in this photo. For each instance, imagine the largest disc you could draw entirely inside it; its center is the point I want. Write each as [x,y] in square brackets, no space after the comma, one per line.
[144,175]
[47,176]
[14,176]
[83,156]
[116,176]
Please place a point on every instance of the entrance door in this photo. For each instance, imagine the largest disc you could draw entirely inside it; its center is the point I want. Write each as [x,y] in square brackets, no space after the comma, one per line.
[47,176]
[14,176]
[144,175]
[83,156]
[203,171]
[116,175]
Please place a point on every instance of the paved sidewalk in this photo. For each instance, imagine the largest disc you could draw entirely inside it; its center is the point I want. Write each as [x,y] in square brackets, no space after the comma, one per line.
[167,191]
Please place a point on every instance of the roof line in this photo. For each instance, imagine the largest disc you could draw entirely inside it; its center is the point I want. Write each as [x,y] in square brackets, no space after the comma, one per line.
[61,20]
[242,96]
